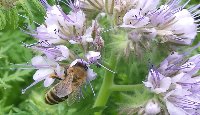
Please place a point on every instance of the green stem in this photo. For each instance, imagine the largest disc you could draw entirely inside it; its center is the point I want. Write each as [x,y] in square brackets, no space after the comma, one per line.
[105,89]
[126,87]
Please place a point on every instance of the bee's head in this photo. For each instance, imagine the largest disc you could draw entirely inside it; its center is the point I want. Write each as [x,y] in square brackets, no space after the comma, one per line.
[83,65]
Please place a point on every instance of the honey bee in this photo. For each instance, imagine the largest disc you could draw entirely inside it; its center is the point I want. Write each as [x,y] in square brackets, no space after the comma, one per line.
[70,87]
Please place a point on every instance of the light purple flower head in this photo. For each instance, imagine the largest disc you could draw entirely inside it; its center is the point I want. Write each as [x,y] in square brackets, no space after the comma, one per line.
[57,53]
[46,70]
[174,23]
[60,27]
[157,82]
[179,102]
[93,57]
[177,83]
[171,22]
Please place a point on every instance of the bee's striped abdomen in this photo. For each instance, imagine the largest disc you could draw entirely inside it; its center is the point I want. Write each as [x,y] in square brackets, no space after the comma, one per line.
[51,98]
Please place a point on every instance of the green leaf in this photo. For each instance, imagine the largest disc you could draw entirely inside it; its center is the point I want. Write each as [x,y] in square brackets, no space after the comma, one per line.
[25,5]
[2,20]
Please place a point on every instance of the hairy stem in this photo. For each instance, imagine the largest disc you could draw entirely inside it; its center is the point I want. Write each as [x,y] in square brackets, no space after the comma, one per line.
[105,89]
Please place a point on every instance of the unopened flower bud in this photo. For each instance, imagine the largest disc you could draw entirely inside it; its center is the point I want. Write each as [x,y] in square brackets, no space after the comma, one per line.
[152,108]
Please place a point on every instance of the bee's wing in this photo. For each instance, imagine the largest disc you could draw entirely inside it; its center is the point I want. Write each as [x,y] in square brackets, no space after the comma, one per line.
[64,88]
[74,96]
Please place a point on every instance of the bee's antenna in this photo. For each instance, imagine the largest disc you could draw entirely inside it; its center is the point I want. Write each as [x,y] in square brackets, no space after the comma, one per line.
[91,88]
[106,68]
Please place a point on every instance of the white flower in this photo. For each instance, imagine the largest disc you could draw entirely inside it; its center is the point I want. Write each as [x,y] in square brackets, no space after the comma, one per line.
[47,69]
[179,102]
[174,23]
[49,33]
[147,5]
[91,75]
[170,62]
[57,53]
[93,56]
[91,5]
[171,21]
[51,29]
[157,82]
[152,108]
[134,19]
[60,27]
[181,90]
[124,5]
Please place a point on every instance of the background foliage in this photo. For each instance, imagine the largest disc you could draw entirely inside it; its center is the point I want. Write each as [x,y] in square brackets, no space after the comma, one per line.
[12,80]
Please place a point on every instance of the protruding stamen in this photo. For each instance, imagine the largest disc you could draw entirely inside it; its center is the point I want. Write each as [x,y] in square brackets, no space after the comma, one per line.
[193,48]
[29,19]
[194,8]
[91,88]
[196,13]
[186,4]
[34,83]
[106,68]
[45,3]
[29,45]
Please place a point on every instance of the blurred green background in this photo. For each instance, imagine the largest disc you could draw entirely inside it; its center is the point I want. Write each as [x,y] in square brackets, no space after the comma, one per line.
[12,79]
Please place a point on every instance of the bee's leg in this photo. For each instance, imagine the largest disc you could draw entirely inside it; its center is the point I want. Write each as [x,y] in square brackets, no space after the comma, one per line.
[53,75]
[81,94]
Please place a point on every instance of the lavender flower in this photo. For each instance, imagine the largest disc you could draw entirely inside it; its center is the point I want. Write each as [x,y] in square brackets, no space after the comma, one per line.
[177,84]
[93,57]
[179,101]
[47,69]
[59,27]
[58,30]
[157,82]
[57,53]
[171,21]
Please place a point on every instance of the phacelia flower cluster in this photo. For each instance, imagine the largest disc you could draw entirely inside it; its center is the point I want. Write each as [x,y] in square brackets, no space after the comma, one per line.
[176,83]
[75,37]
[57,36]
[147,20]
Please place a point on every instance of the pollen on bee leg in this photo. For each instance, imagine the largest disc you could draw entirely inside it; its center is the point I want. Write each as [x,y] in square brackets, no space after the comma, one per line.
[24,90]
